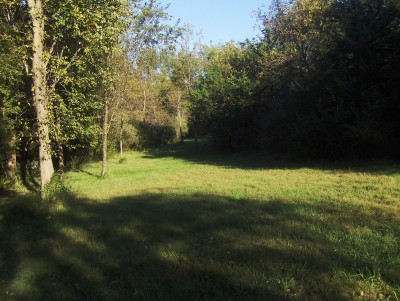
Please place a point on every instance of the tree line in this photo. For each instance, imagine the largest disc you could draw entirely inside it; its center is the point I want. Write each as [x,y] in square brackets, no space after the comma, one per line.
[322,82]
[81,78]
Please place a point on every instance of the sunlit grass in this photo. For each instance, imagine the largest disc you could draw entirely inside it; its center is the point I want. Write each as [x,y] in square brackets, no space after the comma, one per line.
[174,224]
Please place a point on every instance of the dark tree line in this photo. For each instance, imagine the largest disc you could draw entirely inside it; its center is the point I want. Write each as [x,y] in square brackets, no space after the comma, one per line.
[323,82]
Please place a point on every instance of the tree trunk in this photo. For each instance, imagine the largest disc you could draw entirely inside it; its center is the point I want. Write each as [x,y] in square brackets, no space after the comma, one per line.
[105,132]
[8,135]
[39,95]
[180,117]
[58,134]
[120,137]
[61,162]
[144,105]
[12,156]
[196,139]
[60,155]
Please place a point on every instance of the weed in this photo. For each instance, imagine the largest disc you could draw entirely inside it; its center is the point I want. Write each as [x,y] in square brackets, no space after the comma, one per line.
[122,160]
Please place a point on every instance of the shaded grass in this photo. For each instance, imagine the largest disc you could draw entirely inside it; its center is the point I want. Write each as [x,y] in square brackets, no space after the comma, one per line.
[164,225]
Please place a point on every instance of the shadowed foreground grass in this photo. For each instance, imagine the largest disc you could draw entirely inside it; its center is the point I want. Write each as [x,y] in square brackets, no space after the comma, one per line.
[173,225]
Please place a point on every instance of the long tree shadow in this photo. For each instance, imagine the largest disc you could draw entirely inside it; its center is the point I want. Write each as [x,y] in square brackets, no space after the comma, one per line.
[185,247]
[89,173]
[206,153]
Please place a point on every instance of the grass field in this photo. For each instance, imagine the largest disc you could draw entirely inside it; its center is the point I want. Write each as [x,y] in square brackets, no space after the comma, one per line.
[174,224]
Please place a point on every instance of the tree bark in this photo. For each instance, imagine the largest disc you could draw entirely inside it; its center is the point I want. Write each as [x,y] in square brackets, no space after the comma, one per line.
[144,105]
[59,145]
[7,131]
[61,162]
[39,93]
[105,132]
[120,137]
[12,156]
[180,117]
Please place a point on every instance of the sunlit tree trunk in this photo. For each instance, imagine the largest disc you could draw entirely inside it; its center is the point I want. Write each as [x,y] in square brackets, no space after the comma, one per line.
[120,137]
[180,116]
[39,93]
[105,132]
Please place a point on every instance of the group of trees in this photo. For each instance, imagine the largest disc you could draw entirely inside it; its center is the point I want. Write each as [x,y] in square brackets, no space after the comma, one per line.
[54,76]
[78,77]
[322,82]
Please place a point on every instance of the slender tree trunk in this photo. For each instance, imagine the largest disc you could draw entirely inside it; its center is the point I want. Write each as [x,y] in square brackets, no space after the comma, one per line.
[180,117]
[59,147]
[39,95]
[12,156]
[8,135]
[61,162]
[105,132]
[120,137]
[144,105]
[60,155]
[196,139]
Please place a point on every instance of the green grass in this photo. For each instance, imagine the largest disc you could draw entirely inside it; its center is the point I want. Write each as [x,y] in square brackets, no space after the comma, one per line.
[174,224]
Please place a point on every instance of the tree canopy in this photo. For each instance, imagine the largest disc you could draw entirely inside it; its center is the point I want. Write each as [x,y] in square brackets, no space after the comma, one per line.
[321,82]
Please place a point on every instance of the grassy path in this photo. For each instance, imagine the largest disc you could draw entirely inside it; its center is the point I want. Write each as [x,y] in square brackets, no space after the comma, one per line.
[176,225]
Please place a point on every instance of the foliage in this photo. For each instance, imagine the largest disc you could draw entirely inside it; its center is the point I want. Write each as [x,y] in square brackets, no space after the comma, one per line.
[155,135]
[222,96]
[322,82]
[332,88]
[85,43]
[12,89]
[149,104]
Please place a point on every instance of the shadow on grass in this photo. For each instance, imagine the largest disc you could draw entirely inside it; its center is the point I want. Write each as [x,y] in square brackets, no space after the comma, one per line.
[90,173]
[187,247]
[207,154]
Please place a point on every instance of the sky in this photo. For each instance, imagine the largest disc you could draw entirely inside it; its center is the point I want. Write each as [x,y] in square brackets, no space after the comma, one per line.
[218,20]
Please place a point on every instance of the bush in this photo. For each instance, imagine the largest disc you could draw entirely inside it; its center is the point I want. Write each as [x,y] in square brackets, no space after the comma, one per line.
[155,135]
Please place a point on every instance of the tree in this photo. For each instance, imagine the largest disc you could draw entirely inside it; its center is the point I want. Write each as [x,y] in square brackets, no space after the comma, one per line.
[39,68]
[68,70]
[12,94]
[223,93]
[327,77]
[138,73]
[185,68]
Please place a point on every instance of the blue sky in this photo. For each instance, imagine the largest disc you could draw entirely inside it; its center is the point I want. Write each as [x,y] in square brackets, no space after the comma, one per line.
[220,20]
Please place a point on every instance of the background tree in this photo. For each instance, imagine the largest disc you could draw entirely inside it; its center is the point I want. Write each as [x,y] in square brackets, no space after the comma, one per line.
[223,93]
[327,76]
[12,89]
[139,114]
[71,39]
[319,84]
[185,67]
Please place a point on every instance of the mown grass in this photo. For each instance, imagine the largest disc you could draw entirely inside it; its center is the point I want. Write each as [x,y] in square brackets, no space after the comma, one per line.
[174,224]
